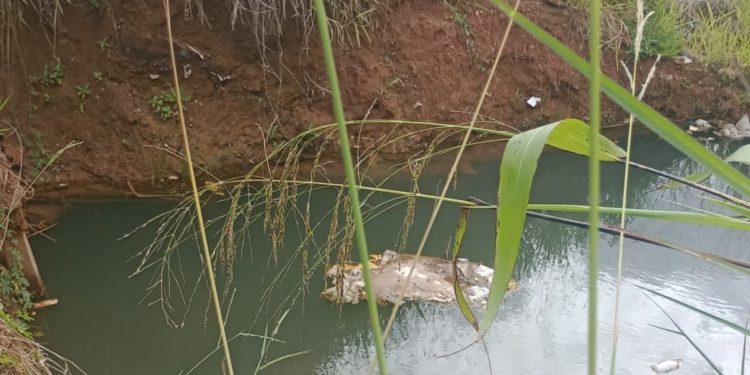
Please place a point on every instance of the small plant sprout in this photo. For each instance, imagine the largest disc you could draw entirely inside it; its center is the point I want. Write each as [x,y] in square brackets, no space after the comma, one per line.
[82,92]
[165,104]
[104,45]
[95,5]
[99,76]
[53,76]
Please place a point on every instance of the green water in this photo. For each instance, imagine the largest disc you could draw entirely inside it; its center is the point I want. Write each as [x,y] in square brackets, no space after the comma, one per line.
[105,324]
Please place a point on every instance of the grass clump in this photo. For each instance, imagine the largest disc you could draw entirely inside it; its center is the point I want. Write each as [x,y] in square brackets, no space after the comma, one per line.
[722,37]
[165,104]
[664,34]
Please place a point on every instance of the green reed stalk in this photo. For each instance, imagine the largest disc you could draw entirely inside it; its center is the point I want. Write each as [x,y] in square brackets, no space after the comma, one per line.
[359,228]
[196,199]
[594,122]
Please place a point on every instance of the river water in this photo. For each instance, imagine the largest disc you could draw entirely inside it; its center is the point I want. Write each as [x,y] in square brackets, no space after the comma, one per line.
[106,326]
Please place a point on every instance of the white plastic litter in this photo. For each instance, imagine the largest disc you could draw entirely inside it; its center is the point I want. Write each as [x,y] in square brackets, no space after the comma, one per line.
[667,366]
[683,60]
[533,101]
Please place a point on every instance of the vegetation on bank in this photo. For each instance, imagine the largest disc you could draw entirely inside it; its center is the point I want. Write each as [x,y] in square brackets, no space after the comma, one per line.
[714,32]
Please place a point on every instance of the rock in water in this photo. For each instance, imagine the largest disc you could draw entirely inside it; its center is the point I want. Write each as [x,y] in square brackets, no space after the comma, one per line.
[432,280]
[701,126]
[667,366]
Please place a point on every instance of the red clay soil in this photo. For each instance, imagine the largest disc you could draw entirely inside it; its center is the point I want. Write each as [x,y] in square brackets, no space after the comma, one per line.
[418,65]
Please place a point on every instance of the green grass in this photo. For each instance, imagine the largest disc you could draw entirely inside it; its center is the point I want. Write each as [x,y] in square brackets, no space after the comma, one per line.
[723,38]
[53,75]
[664,33]
[165,104]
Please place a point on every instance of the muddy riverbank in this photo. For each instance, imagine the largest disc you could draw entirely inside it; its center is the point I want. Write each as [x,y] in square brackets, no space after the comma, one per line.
[418,63]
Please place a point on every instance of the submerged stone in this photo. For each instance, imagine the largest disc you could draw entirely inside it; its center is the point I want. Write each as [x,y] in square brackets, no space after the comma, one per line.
[432,280]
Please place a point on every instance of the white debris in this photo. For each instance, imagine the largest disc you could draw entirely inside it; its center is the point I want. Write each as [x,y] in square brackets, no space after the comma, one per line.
[153,77]
[432,280]
[683,60]
[533,101]
[221,78]
[478,294]
[735,132]
[702,125]
[667,366]
[187,70]
[484,271]
[388,255]
[173,177]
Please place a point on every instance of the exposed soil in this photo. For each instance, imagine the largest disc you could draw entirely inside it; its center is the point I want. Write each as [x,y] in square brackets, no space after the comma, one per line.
[418,65]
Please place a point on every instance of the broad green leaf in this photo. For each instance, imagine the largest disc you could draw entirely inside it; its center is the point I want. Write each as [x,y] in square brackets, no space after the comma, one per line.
[676,216]
[723,321]
[743,211]
[517,170]
[572,135]
[647,115]
[742,155]
[696,177]
[460,298]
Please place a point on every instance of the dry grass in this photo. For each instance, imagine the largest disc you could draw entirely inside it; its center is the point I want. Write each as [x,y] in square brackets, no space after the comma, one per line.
[276,193]
[20,355]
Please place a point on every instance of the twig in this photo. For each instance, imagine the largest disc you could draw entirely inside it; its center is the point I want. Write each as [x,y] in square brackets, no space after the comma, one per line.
[196,199]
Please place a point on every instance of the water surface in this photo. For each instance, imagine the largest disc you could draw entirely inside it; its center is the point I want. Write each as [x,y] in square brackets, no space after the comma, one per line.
[104,323]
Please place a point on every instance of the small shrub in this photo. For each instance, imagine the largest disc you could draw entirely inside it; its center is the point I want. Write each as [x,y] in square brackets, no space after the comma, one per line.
[15,297]
[82,92]
[165,104]
[95,4]
[53,76]
[99,76]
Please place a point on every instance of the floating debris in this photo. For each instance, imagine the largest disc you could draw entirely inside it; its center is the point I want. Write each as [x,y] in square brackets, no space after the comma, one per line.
[701,126]
[737,131]
[667,366]
[432,280]
[533,101]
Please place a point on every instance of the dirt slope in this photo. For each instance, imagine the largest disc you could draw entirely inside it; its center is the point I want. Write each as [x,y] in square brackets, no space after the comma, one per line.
[419,64]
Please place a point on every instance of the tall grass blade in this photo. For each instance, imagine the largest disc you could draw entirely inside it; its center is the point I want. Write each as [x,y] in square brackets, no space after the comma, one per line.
[463,305]
[743,211]
[338,111]
[744,348]
[647,115]
[713,317]
[697,177]
[594,175]
[685,335]
[696,218]
[517,170]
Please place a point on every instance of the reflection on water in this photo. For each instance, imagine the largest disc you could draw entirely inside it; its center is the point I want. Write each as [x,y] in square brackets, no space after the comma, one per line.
[541,328]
